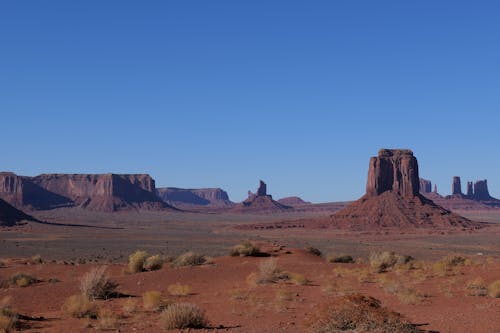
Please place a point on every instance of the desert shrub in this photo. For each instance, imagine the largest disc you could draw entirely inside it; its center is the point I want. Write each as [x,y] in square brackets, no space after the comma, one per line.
[494,289]
[2,264]
[382,261]
[153,263]
[269,272]
[106,319]
[183,315]
[314,251]
[448,264]
[245,249]
[189,259]
[297,278]
[153,301]
[8,317]
[343,259]
[358,313]
[97,285]
[22,280]
[179,289]
[130,306]
[36,259]
[136,261]
[79,306]
[477,287]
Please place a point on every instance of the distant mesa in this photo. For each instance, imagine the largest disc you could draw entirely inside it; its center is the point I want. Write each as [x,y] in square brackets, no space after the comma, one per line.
[425,186]
[393,199]
[9,215]
[98,192]
[293,201]
[260,202]
[207,197]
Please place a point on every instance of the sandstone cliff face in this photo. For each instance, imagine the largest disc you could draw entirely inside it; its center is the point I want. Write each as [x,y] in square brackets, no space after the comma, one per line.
[425,186]
[392,199]
[481,192]
[22,193]
[393,170]
[9,215]
[212,197]
[101,192]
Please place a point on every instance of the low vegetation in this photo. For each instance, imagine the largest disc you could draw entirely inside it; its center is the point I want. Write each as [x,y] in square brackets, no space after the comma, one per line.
[494,289]
[189,259]
[36,260]
[314,251]
[96,284]
[23,280]
[183,315]
[383,261]
[269,272]
[357,313]
[153,301]
[448,265]
[140,261]
[477,287]
[245,249]
[8,317]
[178,289]
[79,306]
[107,319]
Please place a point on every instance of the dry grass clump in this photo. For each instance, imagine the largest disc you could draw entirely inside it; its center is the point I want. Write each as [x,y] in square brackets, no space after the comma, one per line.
[245,249]
[129,307]
[36,259]
[8,317]
[314,251]
[22,280]
[2,264]
[477,287]
[106,319]
[139,261]
[153,301]
[297,278]
[342,259]
[269,272]
[494,289]
[79,306]
[383,261]
[153,263]
[178,289]
[189,259]
[448,265]
[183,315]
[358,313]
[96,284]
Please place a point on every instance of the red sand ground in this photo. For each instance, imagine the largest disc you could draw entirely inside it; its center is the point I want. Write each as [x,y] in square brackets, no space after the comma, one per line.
[222,290]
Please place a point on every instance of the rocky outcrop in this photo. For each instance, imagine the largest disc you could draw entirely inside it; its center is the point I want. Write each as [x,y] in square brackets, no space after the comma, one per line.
[393,170]
[456,186]
[481,192]
[392,199]
[9,215]
[425,186]
[210,197]
[260,202]
[470,190]
[100,192]
[293,201]
[23,193]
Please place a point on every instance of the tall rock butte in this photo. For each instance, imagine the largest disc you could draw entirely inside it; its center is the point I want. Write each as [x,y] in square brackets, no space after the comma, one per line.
[425,186]
[481,192]
[392,199]
[456,186]
[260,202]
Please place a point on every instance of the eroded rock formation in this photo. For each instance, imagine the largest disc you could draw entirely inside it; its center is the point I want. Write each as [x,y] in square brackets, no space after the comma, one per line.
[470,191]
[293,201]
[425,186]
[260,202]
[9,215]
[212,197]
[392,199]
[262,190]
[101,192]
[456,186]
[481,192]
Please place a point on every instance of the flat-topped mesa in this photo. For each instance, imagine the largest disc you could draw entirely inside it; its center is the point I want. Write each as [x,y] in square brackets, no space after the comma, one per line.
[262,190]
[425,186]
[456,186]
[481,190]
[393,170]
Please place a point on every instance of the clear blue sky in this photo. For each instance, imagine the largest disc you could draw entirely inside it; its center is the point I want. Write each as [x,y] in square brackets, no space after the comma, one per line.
[224,93]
